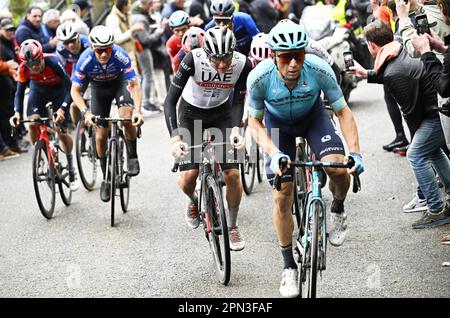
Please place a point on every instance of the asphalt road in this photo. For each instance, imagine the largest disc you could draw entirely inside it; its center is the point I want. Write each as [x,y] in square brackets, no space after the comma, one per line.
[152,252]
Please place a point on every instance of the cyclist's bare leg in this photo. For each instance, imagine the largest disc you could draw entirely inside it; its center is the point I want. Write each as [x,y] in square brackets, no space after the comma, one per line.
[75,114]
[129,129]
[282,213]
[339,178]
[101,141]
[67,141]
[34,129]
[188,181]
[234,193]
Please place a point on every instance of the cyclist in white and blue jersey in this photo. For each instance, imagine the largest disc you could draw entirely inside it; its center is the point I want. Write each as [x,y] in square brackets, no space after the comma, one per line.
[285,91]
[69,50]
[108,69]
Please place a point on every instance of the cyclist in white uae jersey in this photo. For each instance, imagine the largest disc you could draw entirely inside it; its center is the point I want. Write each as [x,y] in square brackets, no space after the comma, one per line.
[285,91]
[206,80]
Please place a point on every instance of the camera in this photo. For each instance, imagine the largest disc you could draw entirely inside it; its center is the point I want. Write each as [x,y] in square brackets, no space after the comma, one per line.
[422,25]
[348,60]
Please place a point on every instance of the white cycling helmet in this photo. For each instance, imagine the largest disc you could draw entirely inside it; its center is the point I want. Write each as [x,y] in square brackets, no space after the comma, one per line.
[218,42]
[66,32]
[101,36]
[259,49]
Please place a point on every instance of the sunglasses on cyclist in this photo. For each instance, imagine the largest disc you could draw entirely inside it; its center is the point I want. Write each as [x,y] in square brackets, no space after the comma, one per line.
[102,50]
[226,59]
[30,64]
[69,42]
[224,20]
[286,58]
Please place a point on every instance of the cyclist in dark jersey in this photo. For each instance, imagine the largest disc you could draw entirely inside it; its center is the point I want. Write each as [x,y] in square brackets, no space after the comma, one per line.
[242,24]
[111,75]
[206,80]
[69,51]
[48,82]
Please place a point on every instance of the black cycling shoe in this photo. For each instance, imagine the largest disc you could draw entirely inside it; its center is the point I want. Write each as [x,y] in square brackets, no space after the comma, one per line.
[104,191]
[133,167]
[397,143]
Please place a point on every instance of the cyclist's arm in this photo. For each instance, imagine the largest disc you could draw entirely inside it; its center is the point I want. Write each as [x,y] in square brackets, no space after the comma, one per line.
[240,89]
[259,133]
[179,81]
[76,92]
[137,97]
[349,129]
[58,68]
[18,98]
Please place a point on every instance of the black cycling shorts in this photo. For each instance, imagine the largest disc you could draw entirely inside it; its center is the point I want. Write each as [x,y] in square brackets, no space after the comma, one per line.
[193,121]
[103,94]
[316,127]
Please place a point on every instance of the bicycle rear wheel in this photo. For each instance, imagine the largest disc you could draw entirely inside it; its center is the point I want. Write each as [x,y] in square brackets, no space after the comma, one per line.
[86,156]
[259,163]
[309,270]
[218,236]
[248,170]
[43,180]
[124,179]
[112,177]
[63,178]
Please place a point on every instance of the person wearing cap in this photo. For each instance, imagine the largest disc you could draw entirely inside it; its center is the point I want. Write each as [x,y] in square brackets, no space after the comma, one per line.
[30,28]
[8,67]
[83,8]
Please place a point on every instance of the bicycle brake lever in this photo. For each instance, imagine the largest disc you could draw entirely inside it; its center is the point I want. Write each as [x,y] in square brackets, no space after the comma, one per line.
[356,183]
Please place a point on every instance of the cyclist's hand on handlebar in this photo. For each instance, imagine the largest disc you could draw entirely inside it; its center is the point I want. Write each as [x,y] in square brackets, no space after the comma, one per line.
[89,119]
[14,120]
[59,115]
[358,168]
[179,148]
[275,162]
[138,120]
[237,140]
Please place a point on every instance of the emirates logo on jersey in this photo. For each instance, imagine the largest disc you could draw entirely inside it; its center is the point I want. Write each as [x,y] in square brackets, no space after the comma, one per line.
[217,77]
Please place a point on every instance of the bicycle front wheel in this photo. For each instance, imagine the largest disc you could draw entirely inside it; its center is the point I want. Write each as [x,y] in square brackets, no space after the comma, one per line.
[218,235]
[124,184]
[112,172]
[86,156]
[43,180]
[63,178]
[309,286]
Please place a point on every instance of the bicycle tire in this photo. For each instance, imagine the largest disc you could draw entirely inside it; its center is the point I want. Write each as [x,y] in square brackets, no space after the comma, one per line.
[259,164]
[63,178]
[311,280]
[218,236]
[248,170]
[88,181]
[113,176]
[123,178]
[40,155]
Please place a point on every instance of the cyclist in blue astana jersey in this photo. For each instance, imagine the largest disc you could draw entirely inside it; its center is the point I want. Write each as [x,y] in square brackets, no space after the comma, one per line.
[242,24]
[285,91]
[111,75]
[69,50]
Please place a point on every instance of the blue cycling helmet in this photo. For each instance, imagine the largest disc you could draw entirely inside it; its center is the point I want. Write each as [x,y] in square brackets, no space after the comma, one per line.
[178,18]
[287,35]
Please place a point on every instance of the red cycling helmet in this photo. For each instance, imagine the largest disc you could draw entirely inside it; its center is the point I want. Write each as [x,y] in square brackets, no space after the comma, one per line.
[31,52]
[192,39]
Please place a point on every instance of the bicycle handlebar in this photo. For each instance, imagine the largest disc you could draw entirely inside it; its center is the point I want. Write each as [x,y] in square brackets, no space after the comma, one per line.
[318,164]
[176,164]
[95,118]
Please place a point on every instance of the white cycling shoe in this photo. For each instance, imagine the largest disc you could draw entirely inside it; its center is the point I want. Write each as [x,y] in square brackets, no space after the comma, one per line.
[338,230]
[289,283]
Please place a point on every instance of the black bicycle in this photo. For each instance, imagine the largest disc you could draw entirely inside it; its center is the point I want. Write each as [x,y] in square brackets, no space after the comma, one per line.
[116,174]
[211,207]
[86,153]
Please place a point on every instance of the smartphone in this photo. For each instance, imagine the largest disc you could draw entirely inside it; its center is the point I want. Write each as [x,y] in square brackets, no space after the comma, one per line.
[348,60]
[422,24]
